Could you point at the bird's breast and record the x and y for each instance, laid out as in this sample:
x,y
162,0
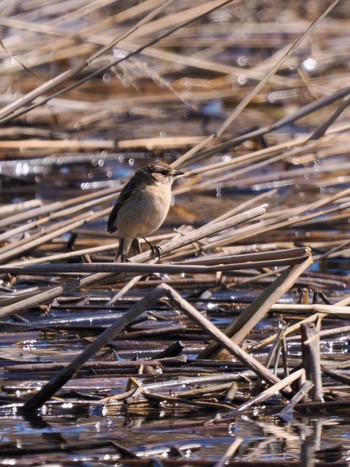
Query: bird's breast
x,y
145,211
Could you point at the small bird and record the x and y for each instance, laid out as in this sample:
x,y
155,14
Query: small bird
x,y
142,206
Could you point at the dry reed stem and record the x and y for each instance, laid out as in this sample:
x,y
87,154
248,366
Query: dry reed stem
x,y
70,254
202,232
61,208
286,414
13,250
299,308
93,42
311,359
50,388
308,109
15,109
171,383
73,145
29,226
270,392
12,209
66,75
271,224
253,364
36,298
256,311
230,453
253,260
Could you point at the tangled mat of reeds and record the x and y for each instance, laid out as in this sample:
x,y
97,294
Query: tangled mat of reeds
x,y
245,315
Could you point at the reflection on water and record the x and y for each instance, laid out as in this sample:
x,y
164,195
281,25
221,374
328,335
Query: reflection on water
x,y
264,438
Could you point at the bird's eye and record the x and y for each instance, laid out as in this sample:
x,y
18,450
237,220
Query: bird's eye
x,y
164,172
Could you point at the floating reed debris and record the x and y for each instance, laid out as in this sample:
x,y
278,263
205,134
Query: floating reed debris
x,y
245,313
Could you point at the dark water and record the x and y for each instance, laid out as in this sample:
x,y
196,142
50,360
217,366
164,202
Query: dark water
x,y
265,438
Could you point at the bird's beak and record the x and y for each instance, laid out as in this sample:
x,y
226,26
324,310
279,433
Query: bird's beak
x,y
177,173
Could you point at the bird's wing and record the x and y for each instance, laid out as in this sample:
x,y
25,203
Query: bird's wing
x,y
112,219
127,191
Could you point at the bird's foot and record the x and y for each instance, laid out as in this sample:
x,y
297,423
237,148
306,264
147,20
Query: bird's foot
x,y
124,259
156,250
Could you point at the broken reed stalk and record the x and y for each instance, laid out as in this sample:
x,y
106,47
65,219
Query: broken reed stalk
x,y
272,356
12,209
230,453
218,263
306,110
286,414
50,388
340,307
225,379
253,314
21,106
292,254
64,256
161,398
63,77
49,144
31,213
311,359
13,250
163,290
9,233
270,392
128,286
56,210
274,69
336,375
36,298
253,364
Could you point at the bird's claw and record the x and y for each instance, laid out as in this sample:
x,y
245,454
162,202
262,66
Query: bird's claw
x,y
124,259
156,250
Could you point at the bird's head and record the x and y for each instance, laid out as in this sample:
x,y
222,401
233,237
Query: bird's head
x,y
161,172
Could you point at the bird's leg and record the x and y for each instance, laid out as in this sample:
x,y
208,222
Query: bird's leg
x,y
121,256
135,245
156,250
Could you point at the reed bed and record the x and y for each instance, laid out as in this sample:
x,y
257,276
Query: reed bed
x,y
244,317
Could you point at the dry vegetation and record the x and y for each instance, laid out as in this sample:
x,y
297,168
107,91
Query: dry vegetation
x,y
246,312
